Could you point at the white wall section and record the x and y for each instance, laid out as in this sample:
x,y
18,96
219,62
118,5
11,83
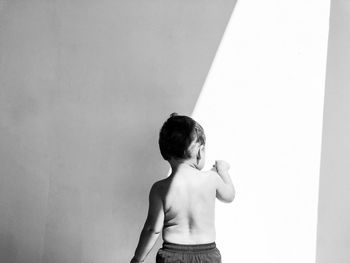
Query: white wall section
x,y
261,108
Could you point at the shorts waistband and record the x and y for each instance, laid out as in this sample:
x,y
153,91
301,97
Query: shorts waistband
x,y
189,247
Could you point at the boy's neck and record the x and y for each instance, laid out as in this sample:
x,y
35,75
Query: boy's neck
x,y
176,165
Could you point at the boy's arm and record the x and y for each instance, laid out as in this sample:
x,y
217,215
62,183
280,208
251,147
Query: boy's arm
x,y
225,191
153,225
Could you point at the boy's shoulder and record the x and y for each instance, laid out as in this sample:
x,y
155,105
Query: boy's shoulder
x,y
213,176
159,188
210,173
159,185
163,183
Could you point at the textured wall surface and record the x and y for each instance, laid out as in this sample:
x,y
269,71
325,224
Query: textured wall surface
x,y
334,201
84,89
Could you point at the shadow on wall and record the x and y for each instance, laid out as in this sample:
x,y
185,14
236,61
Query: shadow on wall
x,y
85,88
333,229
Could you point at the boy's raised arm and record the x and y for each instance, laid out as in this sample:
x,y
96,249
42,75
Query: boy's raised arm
x,y
225,190
153,225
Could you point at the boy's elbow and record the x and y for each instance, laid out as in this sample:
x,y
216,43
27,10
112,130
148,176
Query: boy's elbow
x,y
226,199
230,198
232,195
152,230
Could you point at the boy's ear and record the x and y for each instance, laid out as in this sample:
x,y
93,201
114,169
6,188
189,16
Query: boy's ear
x,y
199,154
200,151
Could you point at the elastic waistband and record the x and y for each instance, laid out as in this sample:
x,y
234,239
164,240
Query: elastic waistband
x,y
189,248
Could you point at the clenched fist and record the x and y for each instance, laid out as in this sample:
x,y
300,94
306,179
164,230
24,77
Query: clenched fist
x,y
221,166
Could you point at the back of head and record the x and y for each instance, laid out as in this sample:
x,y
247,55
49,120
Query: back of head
x,y
176,136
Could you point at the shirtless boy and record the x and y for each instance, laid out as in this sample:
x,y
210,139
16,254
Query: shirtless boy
x,y
182,206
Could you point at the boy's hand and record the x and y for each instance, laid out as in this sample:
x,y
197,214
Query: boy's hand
x,y
221,166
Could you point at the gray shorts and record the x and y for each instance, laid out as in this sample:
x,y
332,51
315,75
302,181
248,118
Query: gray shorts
x,y
180,253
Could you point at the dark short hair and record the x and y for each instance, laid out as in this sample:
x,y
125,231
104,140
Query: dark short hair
x,y
177,134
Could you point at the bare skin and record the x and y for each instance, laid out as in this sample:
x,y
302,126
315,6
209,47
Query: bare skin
x,y
189,205
182,206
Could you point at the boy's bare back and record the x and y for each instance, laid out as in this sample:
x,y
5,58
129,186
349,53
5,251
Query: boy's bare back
x,y
189,207
188,198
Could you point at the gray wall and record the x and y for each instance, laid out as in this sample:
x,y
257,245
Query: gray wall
x,y
84,89
333,240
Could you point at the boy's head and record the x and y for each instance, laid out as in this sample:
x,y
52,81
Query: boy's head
x,y
179,137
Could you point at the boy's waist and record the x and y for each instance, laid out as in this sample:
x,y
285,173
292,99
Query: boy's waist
x,y
189,247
